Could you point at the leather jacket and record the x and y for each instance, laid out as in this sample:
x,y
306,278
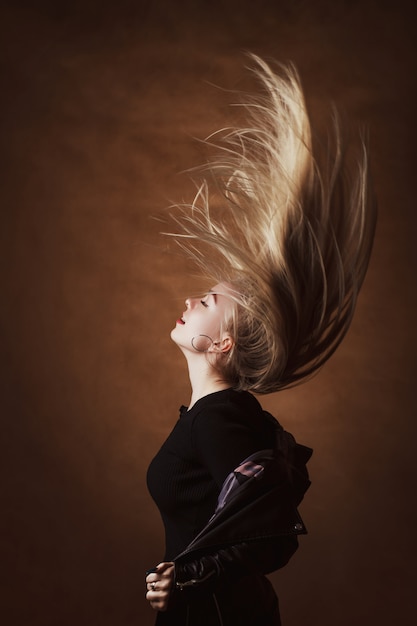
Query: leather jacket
x,y
256,522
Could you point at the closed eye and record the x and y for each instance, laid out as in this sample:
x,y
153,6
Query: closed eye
x,y
204,303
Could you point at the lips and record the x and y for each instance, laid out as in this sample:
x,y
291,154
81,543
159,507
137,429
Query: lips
x,y
180,321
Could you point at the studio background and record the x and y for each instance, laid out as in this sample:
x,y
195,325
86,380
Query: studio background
x,y
101,102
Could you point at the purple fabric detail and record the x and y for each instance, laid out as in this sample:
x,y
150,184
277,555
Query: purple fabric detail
x,y
242,473
250,469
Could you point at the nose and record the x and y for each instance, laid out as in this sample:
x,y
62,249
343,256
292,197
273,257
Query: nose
x,y
190,302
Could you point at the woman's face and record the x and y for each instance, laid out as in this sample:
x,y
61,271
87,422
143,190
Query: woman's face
x,y
199,329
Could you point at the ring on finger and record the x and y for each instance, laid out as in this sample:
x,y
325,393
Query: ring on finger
x,y
153,586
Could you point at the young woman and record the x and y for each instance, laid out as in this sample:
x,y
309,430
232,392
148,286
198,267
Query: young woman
x,y
284,229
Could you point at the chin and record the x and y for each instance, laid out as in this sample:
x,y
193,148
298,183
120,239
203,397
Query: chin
x,y
173,335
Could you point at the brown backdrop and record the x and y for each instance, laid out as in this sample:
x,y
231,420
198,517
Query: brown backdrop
x,y
100,101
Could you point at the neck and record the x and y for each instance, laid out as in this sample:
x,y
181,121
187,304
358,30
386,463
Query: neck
x,y
204,379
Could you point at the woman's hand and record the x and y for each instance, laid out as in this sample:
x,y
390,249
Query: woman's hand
x,y
159,584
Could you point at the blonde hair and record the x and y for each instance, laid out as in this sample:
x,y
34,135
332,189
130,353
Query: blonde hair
x,y
290,227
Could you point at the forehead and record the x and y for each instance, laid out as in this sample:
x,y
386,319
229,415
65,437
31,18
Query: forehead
x,y
224,295
222,289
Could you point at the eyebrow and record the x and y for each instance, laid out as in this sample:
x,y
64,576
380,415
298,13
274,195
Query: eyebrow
x,y
211,293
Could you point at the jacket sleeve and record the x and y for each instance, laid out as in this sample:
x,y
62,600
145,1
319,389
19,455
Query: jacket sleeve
x,y
233,562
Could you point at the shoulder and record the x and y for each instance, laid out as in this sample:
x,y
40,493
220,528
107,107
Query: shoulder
x,y
230,415
226,428
229,404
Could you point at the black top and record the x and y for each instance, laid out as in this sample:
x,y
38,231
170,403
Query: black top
x,y
207,443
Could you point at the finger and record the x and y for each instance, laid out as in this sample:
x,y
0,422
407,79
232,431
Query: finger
x,y
164,582
159,604
162,567
157,599
158,591
152,578
161,585
167,574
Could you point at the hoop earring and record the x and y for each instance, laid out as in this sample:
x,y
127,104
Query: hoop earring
x,y
197,349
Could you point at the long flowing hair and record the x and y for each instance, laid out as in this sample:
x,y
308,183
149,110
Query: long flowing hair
x,y
289,224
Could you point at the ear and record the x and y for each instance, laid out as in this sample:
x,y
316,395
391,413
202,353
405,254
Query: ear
x,y
223,346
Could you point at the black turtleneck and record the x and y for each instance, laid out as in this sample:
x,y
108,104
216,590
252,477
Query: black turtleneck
x,y
207,443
